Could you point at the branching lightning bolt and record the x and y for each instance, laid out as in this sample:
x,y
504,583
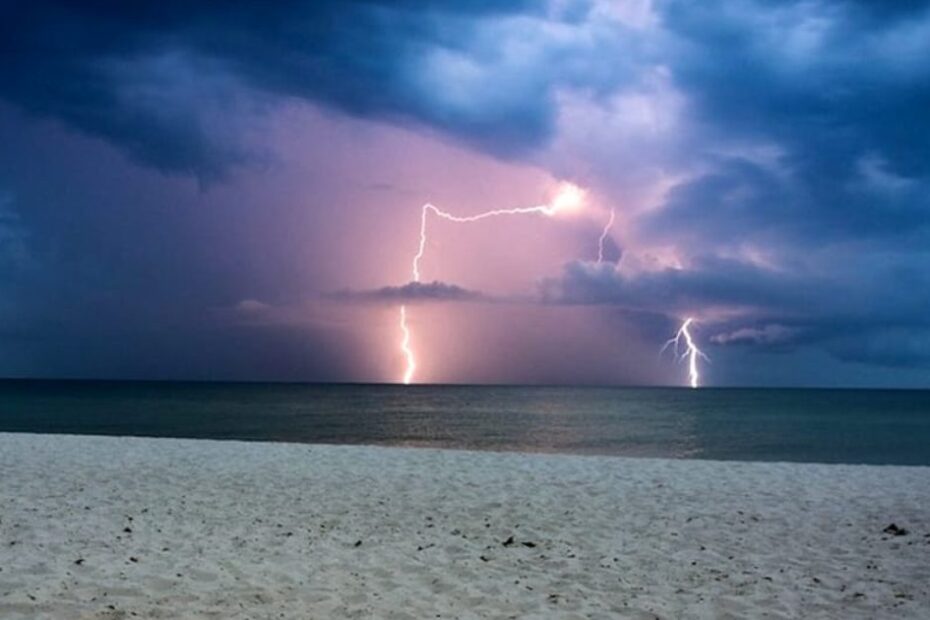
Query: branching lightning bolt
x,y
692,352
568,198
603,237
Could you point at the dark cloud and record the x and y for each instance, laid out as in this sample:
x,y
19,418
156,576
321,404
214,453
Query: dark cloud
x,y
15,258
162,79
892,347
828,81
741,202
412,292
711,282
865,310
767,334
792,137
834,97
807,146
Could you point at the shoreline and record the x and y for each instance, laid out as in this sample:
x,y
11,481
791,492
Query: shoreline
x,y
239,529
530,451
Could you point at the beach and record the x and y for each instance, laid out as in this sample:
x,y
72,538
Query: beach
x,y
121,527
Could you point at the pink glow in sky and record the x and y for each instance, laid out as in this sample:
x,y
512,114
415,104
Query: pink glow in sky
x,y
366,230
175,208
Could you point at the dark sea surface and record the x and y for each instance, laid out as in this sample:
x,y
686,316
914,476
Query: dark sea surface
x,y
828,426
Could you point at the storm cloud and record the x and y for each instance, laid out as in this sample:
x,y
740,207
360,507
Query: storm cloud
x,y
862,310
169,81
412,292
768,163
799,215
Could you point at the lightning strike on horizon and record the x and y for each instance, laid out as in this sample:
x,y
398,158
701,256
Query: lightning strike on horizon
x,y
405,347
691,351
570,197
603,237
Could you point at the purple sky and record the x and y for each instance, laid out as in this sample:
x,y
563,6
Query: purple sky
x,y
229,191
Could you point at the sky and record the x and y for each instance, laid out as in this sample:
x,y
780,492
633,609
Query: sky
x,y
232,190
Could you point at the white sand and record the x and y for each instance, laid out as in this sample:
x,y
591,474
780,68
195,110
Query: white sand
x,y
240,530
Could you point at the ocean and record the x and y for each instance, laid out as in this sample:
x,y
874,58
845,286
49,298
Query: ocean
x,y
801,425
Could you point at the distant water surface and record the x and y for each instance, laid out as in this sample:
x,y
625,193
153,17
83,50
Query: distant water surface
x,y
830,426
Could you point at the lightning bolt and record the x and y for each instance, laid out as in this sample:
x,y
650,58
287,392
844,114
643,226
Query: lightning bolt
x,y
405,347
568,198
603,237
692,352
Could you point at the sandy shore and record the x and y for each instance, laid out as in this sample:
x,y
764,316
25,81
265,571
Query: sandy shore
x,y
94,527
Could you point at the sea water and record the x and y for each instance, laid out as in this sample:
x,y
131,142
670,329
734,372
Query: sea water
x,y
830,426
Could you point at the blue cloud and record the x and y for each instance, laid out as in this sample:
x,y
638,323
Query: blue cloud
x,y
863,310
412,292
123,70
801,134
